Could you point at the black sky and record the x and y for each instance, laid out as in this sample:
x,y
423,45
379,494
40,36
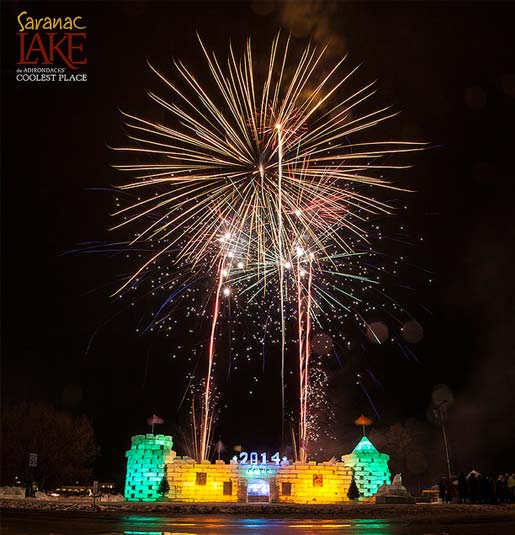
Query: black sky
x,y
448,67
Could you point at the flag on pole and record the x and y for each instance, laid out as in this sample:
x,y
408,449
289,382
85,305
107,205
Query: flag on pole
x,y
364,422
154,419
219,447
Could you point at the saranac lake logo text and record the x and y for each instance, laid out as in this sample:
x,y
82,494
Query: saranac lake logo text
x,y
51,41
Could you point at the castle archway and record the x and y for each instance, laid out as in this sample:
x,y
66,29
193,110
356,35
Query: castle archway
x,y
258,490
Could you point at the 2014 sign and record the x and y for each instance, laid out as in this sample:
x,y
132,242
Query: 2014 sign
x,y
258,458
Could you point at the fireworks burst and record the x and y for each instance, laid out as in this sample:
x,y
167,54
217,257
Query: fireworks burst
x,y
255,188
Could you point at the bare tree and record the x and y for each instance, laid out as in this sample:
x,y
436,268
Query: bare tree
x,y
65,444
410,446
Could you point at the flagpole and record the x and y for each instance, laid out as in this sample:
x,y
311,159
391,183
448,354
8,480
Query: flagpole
x,y
153,420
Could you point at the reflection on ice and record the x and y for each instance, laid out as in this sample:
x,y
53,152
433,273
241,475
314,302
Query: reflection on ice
x,y
253,526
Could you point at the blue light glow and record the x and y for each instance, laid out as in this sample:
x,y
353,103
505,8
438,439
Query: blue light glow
x,y
258,487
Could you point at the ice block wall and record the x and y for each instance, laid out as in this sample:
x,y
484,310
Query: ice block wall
x,y
146,462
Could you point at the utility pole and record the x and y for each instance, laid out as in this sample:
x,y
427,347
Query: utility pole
x,y
442,423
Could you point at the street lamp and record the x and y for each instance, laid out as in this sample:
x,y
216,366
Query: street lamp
x,y
439,414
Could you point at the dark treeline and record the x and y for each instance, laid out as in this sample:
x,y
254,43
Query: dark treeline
x,y
65,445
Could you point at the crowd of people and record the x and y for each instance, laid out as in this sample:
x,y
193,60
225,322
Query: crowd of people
x,y
478,488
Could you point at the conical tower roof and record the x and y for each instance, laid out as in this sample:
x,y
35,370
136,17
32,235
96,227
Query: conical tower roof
x,y
365,446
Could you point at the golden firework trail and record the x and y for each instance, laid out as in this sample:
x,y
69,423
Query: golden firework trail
x,y
252,180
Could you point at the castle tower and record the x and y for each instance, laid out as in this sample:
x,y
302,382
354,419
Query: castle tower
x,y
146,462
370,467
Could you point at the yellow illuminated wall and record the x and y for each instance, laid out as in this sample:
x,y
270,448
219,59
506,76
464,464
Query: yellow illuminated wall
x,y
289,483
314,483
202,482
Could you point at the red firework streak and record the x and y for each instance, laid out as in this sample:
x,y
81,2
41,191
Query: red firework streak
x,y
304,324
205,430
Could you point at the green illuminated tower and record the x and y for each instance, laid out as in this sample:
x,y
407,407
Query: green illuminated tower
x,y
370,467
146,466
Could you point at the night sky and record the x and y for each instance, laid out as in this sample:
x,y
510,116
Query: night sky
x,y
448,68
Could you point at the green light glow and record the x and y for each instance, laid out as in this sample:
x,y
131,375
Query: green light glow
x,y
365,445
370,467
146,466
253,471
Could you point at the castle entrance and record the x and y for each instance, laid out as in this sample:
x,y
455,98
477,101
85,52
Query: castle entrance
x,y
258,490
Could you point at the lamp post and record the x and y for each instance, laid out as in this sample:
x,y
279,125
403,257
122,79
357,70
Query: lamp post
x,y
439,410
